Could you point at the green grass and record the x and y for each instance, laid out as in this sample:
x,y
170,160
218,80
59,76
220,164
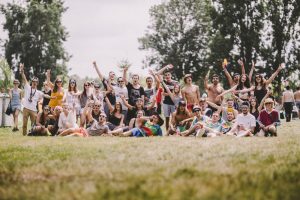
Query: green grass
x,y
151,168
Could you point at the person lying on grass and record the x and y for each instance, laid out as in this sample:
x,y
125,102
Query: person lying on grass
x,y
147,126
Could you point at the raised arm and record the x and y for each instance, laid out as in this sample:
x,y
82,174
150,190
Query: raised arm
x,y
227,91
167,67
263,100
157,81
130,107
228,76
251,71
23,74
111,108
125,75
275,74
48,74
166,88
219,108
98,71
206,86
241,63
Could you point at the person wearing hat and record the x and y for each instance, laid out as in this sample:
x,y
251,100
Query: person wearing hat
x,y
197,123
179,119
190,92
268,119
15,95
31,98
147,126
245,123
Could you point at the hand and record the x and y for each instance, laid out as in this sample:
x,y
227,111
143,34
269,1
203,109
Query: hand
x,y
151,72
181,123
48,72
253,63
94,64
240,61
160,78
170,66
125,68
21,67
281,66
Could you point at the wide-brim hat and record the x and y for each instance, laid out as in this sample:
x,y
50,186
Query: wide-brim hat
x,y
268,100
187,76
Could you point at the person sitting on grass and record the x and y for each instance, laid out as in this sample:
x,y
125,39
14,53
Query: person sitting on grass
x,y
53,122
245,123
115,118
225,109
67,119
134,121
95,107
213,126
177,124
227,125
42,121
197,122
147,126
268,119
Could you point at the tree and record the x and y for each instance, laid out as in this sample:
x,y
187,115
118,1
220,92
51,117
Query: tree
x,y
178,34
36,36
5,74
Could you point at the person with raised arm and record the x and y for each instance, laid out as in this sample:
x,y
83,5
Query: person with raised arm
x,y
236,76
57,93
15,95
190,92
150,90
135,92
260,86
214,89
297,99
168,104
31,98
107,83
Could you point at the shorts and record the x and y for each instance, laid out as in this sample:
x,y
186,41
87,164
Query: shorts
x,y
298,104
168,109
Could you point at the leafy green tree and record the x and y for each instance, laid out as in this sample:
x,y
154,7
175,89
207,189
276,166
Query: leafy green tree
x,y
178,34
5,74
36,36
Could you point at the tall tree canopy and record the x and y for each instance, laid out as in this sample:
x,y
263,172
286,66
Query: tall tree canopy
x,y
178,34
36,36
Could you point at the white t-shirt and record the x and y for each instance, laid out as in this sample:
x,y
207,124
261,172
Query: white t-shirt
x,y
248,121
36,95
68,121
121,92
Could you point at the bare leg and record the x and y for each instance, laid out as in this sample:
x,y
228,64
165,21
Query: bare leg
x,y
126,134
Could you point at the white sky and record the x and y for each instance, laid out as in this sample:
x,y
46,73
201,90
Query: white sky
x,y
105,31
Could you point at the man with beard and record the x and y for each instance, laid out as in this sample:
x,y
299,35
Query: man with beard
x,y
190,92
245,123
178,119
213,90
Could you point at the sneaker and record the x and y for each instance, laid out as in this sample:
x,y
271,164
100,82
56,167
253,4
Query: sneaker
x,y
14,129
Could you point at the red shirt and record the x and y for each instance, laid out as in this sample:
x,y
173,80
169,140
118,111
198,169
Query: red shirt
x,y
159,95
268,118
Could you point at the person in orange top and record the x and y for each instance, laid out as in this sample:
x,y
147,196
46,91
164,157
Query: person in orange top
x,y
57,91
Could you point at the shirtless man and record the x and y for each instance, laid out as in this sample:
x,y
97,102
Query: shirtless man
x,y
190,92
179,118
213,90
297,100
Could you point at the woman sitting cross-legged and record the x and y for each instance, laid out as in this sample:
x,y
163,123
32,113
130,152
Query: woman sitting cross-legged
x,y
67,119
53,122
146,126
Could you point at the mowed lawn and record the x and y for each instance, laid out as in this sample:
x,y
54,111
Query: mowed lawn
x,y
151,168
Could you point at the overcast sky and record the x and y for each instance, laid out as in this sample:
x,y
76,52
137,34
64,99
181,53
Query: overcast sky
x,y
105,31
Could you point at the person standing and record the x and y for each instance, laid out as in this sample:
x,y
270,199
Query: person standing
x,y
214,90
190,92
297,100
288,101
31,97
15,96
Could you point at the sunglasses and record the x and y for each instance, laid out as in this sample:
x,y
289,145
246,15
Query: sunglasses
x,y
72,82
97,87
46,109
120,81
58,81
88,85
101,116
196,111
96,106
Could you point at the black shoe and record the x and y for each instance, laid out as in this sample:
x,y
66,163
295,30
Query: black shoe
x,y
14,129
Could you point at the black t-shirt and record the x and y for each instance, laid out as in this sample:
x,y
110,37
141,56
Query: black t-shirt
x,y
134,94
111,97
170,85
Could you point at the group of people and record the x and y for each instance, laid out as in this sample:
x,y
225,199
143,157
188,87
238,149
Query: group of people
x,y
122,107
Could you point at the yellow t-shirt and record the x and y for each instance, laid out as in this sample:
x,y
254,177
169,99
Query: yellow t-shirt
x,y
58,100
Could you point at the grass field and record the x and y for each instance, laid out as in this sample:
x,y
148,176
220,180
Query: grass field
x,y
151,168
